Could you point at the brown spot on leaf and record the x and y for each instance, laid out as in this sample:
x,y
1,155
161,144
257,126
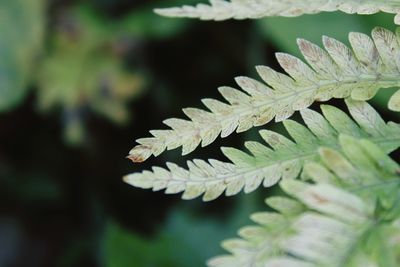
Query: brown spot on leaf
x,y
305,47
319,199
136,158
274,139
140,153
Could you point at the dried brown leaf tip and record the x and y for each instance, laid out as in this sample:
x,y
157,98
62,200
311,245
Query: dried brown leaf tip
x,y
319,199
139,153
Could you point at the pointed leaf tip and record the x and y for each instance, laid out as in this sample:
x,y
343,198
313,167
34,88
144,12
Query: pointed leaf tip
x,y
125,179
394,102
139,153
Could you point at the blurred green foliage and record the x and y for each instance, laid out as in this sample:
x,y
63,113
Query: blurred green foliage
x,y
145,24
84,69
21,27
185,240
82,65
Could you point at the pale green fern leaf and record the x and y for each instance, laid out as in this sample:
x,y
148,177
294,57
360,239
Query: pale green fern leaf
x,y
253,9
266,166
336,72
338,222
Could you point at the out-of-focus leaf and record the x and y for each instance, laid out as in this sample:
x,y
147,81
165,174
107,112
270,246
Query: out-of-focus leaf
x,y
21,27
177,245
184,241
84,70
31,188
146,24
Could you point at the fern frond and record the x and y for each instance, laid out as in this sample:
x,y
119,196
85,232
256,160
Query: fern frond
x,y
266,165
334,222
337,72
253,9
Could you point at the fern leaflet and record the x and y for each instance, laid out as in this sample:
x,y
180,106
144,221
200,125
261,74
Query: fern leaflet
x,y
338,72
266,165
253,9
344,218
